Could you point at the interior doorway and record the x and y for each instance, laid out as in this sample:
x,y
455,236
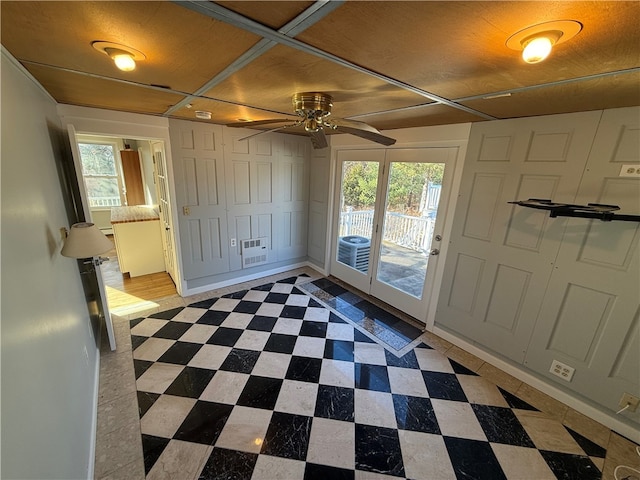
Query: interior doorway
x,y
126,172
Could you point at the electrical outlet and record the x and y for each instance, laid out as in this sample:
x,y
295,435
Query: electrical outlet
x,y
233,242
561,370
630,171
631,400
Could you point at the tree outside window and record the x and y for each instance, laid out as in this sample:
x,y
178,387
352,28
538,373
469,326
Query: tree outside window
x,y
100,174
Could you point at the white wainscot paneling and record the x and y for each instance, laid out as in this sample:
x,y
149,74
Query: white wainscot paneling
x,y
466,282
582,316
526,229
483,202
507,296
549,146
495,148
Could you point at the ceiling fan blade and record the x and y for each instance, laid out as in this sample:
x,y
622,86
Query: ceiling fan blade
x,y
318,139
267,131
260,122
363,130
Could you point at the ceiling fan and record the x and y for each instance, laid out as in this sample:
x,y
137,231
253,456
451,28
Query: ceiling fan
x,y
314,110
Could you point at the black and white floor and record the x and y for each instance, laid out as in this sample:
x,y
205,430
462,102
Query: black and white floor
x,y
275,382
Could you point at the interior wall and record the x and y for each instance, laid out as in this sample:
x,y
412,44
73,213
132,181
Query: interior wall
x,y
49,354
532,289
229,190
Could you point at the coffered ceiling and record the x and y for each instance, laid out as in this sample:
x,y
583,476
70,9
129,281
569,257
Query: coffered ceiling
x,y
391,64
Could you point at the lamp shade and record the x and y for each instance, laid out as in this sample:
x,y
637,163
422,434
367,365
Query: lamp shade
x,y
85,240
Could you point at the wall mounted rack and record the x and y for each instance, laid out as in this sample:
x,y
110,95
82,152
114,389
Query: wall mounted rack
x,y
590,210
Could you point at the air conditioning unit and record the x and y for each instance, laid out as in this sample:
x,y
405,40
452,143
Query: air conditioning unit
x,y
254,252
353,250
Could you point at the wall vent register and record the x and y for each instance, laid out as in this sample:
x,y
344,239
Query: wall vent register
x,y
254,252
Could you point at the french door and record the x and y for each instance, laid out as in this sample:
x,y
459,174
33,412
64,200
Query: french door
x,y
389,214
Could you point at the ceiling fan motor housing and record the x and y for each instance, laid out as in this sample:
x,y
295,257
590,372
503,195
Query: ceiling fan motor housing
x,y
314,107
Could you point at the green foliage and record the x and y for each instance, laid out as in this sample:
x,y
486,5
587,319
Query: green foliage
x,y
406,183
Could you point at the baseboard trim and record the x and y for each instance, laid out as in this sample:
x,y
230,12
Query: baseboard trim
x,y
559,395
245,278
96,398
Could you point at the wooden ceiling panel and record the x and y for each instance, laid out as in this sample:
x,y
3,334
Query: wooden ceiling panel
x,y
434,114
76,89
184,49
270,81
273,14
223,113
457,49
596,94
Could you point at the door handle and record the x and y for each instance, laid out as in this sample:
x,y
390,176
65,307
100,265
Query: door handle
x,y
438,238
167,228
435,251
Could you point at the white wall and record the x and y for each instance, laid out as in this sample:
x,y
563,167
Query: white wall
x,y
529,289
49,355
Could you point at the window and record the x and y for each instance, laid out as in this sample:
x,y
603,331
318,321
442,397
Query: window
x,y
100,172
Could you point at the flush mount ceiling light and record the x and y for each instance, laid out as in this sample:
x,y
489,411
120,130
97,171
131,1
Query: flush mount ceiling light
x,y
124,57
536,41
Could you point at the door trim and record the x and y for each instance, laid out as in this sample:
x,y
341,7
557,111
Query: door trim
x,y
456,178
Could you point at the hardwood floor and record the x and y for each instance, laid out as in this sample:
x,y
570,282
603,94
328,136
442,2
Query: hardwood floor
x,y
123,291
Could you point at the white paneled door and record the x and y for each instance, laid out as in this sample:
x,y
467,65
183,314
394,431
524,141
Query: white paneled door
x,y
388,223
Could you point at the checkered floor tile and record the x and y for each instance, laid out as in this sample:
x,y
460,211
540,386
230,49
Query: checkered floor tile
x,y
268,384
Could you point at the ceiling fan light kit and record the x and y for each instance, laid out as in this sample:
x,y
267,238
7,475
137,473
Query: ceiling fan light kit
x,y
537,41
314,110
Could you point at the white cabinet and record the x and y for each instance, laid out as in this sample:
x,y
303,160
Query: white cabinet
x,y
138,241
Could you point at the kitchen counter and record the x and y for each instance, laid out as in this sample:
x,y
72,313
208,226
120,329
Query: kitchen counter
x,y
138,238
138,213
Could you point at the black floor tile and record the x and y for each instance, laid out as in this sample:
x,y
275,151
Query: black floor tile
x,y
240,361
275,297
224,336
152,448
191,382
204,423
206,304
213,317
135,321
372,377
260,392
408,360
145,400
167,314
313,329
444,386
136,341
335,403
325,472
304,369
247,307
172,330
590,448
140,366
415,413
293,311
500,425
262,323
339,350
239,295
180,353
280,343
515,402
473,459
378,450
571,467
358,336
461,369
226,464
333,318
287,436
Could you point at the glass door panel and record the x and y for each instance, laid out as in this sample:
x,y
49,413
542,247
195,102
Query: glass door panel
x,y
357,213
412,197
